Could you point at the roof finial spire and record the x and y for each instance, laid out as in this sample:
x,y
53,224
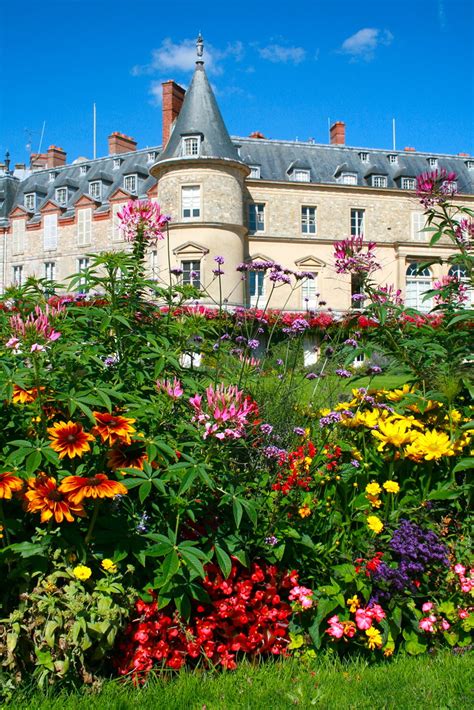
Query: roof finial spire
x,y
199,49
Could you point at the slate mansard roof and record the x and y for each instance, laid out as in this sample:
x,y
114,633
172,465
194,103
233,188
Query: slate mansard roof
x,y
275,159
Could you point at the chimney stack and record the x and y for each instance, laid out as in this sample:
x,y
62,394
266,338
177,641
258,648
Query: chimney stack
x,y
120,143
38,161
56,157
173,97
337,133
409,149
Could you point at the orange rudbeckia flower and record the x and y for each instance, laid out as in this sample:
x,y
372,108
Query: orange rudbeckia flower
x,y
21,396
113,428
69,439
44,497
132,456
8,484
99,486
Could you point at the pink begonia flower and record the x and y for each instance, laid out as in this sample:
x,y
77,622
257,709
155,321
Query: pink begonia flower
x,y
466,587
363,619
303,596
463,613
173,389
333,619
336,629
445,625
426,624
427,606
376,612
459,569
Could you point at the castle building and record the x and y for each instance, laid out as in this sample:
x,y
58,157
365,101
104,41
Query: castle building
x,y
241,198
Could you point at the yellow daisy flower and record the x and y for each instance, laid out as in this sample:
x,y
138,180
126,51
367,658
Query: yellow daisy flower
x,y
391,487
375,524
82,572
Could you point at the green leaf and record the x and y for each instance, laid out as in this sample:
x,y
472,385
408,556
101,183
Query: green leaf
x,y
223,561
170,566
193,562
237,511
144,490
33,462
464,465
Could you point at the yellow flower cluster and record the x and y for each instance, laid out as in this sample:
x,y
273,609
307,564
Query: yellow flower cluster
x,y
374,638
375,524
82,572
373,491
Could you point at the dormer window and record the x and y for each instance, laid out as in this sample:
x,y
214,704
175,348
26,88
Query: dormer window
x,y
30,202
433,162
348,179
255,171
117,163
299,175
379,181
52,176
95,189
470,164
60,196
83,169
191,146
393,159
364,157
151,156
130,183
408,183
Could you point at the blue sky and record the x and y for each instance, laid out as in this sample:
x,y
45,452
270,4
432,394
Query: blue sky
x,y
282,69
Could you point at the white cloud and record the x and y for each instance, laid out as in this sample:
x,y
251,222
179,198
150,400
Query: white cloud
x,y
280,53
362,44
181,57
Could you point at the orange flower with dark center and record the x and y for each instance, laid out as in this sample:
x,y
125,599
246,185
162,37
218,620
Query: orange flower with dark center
x,y
69,439
113,428
8,484
132,456
21,396
44,497
99,486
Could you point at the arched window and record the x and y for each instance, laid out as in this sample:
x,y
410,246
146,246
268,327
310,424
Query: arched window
x,y
417,283
460,272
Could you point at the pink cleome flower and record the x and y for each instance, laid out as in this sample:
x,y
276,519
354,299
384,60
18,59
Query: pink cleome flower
x,y
142,215
353,256
226,412
36,328
435,187
173,389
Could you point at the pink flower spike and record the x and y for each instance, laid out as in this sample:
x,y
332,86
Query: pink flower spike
x,y
12,343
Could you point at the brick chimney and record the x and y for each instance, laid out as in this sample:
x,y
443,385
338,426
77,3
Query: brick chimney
x,y
256,134
337,133
56,157
464,155
173,97
38,161
409,149
120,143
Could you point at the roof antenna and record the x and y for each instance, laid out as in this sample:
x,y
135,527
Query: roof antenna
x,y
199,49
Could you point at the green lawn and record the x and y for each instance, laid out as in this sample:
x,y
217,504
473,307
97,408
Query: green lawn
x,y
441,682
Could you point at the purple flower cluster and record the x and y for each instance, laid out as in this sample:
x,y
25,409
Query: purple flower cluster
x,y
343,373
416,552
266,428
331,418
298,326
273,452
351,342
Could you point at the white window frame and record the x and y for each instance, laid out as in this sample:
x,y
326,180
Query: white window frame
x,y
29,200
190,202
92,188
59,194
50,232
357,222
117,162
256,214
418,223
308,220
309,288
84,226
49,270
191,146
154,265
254,172
18,236
348,179
256,288
83,169
408,183
364,157
470,164
83,263
379,181
17,274
194,267
52,176
433,162
300,175
416,287
151,156
131,178
393,158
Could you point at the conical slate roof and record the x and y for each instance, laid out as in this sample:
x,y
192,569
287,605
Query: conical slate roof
x,y
200,115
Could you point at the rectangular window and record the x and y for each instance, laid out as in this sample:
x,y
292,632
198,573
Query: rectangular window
x,y
408,183
300,175
18,236
348,179
364,157
256,288
83,169
470,164
191,145
357,289
84,226
82,265
393,159
18,275
255,171
433,162
418,223
116,163
308,220
30,202
51,177
95,189
50,270
308,294
130,183
191,273
151,156
191,201
50,232
256,218
357,223
61,196
379,181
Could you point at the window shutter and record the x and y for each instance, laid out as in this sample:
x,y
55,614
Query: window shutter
x,y
50,232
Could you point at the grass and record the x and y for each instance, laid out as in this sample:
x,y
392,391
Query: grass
x,y
440,682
